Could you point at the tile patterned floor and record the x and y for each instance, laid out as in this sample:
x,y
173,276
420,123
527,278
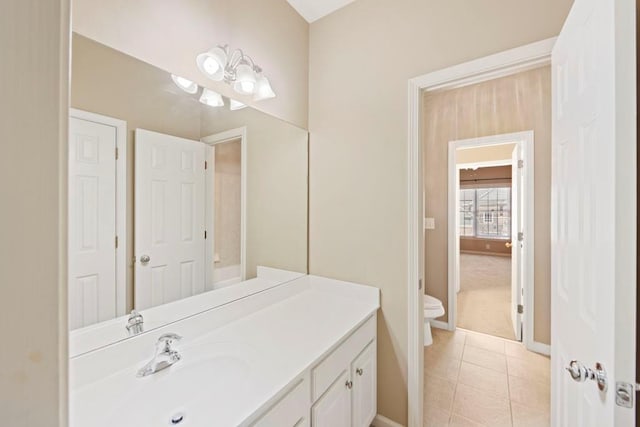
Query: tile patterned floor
x,y
472,379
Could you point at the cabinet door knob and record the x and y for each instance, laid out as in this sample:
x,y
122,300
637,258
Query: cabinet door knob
x,y
349,384
359,371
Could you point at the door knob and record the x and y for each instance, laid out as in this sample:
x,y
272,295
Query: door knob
x,y
349,384
508,244
144,259
581,373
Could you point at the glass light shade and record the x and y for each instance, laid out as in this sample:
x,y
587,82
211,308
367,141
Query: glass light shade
x,y
263,89
236,105
184,84
211,98
212,63
245,80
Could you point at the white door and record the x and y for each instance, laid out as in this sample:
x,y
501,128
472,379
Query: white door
x,y
92,222
517,245
334,408
169,218
363,372
593,211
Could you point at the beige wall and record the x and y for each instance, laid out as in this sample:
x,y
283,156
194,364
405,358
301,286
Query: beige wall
x,y
361,58
277,175
227,203
33,130
170,34
511,104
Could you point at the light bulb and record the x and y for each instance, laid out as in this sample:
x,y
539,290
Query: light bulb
x,y
211,98
184,84
210,65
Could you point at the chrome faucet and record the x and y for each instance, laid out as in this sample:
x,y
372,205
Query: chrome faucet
x,y
165,355
135,323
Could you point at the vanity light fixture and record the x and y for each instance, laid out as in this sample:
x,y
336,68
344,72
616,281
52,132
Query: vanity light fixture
x,y
236,69
184,84
236,105
211,98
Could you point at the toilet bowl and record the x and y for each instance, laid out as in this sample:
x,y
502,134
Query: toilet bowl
x,y
432,309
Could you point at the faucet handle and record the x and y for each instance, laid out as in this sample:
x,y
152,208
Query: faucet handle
x,y
166,340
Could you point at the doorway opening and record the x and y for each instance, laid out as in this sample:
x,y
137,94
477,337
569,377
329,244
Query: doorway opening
x,y
490,213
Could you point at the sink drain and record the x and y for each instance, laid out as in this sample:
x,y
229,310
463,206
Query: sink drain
x,y
177,418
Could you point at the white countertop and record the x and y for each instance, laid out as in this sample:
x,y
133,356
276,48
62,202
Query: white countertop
x,y
254,358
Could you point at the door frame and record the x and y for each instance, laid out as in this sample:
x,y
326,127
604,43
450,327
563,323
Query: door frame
x,y
212,140
526,141
487,68
121,199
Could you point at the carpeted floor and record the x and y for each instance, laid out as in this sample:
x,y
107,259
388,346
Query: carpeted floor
x,y
484,299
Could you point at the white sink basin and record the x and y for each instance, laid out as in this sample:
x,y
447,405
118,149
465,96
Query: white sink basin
x,y
193,392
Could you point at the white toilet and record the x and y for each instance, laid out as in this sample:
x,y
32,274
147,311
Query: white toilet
x,y
432,309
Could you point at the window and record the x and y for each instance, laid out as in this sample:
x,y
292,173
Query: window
x,y
485,212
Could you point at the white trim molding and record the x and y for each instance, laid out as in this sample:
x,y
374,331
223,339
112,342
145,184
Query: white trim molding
x,y
121,199
526,141
498,65
382,421
212,140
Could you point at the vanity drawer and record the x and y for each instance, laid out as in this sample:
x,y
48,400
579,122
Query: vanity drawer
x,y
292,410
326,372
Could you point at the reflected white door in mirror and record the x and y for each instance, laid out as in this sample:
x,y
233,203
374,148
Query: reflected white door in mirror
x,y
299,354
96,218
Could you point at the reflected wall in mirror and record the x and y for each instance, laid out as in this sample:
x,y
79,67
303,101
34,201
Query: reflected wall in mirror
x,y
170,197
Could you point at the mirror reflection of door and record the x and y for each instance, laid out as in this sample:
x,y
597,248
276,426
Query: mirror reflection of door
x,y
169,218
96,267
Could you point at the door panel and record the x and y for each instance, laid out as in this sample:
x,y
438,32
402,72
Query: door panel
x,y
363,372
584,200
92,222
169,218
334,408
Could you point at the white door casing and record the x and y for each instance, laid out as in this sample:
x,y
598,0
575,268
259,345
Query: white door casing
x,y
212,141
169,218
486,68
517,246
593,210
522,291
92,222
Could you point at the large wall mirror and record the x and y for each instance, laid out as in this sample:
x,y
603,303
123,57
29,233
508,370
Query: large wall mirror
x,y
174,191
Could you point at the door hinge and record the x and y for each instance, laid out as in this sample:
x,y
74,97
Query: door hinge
x,y
419,283
205,234
117,153
116,242
206,165
520,308
520,164
625,393
520,236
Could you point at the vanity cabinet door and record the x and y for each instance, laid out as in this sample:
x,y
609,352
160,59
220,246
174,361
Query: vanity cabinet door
x,y
334,408
363,372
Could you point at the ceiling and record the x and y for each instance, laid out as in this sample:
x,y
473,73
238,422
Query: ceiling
x,y
312,10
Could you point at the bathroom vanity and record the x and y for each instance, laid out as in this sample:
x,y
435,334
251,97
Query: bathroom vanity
x,y
301,353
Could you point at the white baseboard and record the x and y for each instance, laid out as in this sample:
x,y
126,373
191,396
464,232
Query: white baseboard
x,y
380,421
440,324
541,348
